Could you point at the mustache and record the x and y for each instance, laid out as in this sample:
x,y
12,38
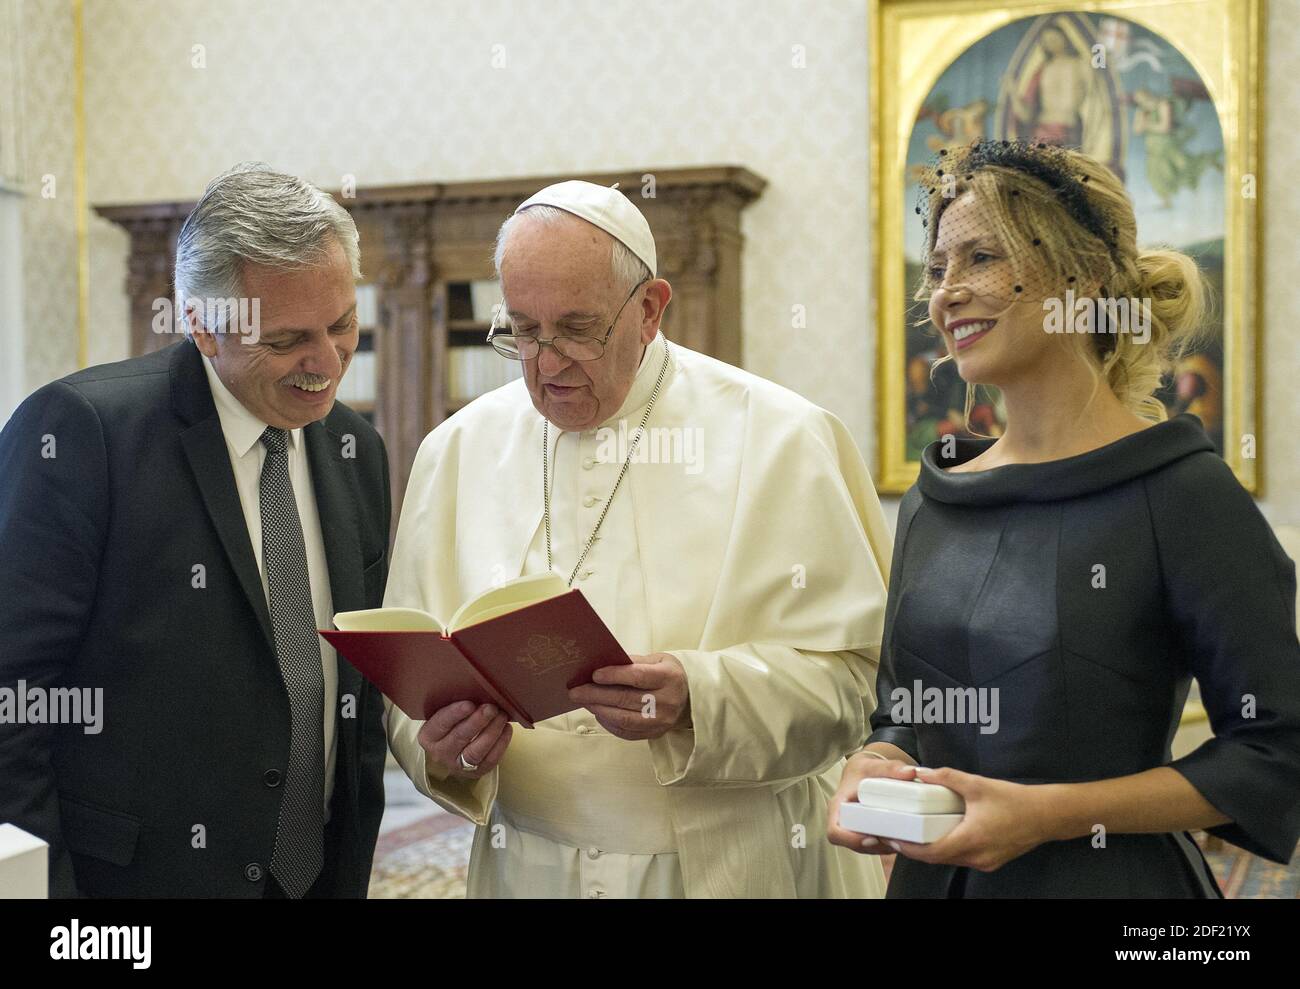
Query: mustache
x,y
306,380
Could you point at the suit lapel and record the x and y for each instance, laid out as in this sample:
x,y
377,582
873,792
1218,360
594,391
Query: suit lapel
x,y
338,504
205,449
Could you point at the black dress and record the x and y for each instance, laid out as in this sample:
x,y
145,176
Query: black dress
x,y
1089,592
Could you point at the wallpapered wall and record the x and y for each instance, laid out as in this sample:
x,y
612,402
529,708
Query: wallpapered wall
x,y
418,90
41,52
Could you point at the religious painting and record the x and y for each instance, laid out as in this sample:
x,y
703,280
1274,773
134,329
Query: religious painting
x,y
1166,95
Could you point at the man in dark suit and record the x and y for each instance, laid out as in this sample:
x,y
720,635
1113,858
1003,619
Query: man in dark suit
x,y
173,529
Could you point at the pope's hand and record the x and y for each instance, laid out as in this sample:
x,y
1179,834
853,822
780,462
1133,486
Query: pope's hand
x,y
640,701
478,731
856,769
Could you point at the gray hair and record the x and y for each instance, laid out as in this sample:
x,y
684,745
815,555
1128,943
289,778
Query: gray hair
x,y
629,270
253,214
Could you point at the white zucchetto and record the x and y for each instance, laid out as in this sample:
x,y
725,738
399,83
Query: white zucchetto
x,y
603,207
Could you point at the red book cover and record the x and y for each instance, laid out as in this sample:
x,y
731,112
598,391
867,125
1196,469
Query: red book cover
x,y
524,661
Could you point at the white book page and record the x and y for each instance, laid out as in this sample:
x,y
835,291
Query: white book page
x,y
387,620
510,596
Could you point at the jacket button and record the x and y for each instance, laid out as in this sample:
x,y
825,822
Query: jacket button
x,y
272,777
253,872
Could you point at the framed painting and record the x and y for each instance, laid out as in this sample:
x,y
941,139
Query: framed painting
x,y
1167,94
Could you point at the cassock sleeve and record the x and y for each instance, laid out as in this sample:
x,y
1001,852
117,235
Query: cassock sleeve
x,y
784,693
1231,590
471,799
764,714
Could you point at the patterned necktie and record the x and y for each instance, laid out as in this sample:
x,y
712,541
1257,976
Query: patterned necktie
x,y
299,834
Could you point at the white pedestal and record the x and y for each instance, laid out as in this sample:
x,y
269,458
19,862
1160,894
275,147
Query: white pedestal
x,y
24,865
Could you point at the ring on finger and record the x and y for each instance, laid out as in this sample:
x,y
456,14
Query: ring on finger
x,y
465,764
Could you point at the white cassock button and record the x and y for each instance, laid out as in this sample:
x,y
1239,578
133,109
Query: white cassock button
x,y
588,463
595,894
585,729
593,853
585,574
588,501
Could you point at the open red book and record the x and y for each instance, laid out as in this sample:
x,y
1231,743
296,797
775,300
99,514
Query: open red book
x,y
520,646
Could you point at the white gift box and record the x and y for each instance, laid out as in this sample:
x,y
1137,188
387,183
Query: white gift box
x,y
907,810
24,865
919,828
911,796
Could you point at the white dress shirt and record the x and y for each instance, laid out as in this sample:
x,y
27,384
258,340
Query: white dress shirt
x,y
243,432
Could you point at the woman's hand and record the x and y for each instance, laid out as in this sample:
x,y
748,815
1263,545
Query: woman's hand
x,y
1002,821
858,768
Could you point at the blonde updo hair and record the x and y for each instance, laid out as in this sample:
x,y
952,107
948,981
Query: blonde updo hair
x,y
1072,222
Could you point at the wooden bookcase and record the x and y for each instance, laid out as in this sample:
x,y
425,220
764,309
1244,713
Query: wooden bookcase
x,y
424,246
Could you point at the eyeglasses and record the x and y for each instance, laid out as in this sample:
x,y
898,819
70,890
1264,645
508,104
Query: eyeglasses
x,y
526,346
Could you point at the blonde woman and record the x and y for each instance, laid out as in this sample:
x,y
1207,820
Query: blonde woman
x,y
1054,591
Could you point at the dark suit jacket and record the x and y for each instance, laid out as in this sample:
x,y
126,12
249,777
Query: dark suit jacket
x,y
177,795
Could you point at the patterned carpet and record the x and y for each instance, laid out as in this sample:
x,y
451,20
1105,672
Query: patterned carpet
x,y
427,859
423,860
1243,876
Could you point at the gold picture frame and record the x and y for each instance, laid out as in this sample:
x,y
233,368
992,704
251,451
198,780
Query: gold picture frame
x,y
914,43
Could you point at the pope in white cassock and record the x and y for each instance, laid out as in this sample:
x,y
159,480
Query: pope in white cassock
x,y
745,577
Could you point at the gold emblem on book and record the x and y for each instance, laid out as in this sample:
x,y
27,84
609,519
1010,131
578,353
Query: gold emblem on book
x,y
544,653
